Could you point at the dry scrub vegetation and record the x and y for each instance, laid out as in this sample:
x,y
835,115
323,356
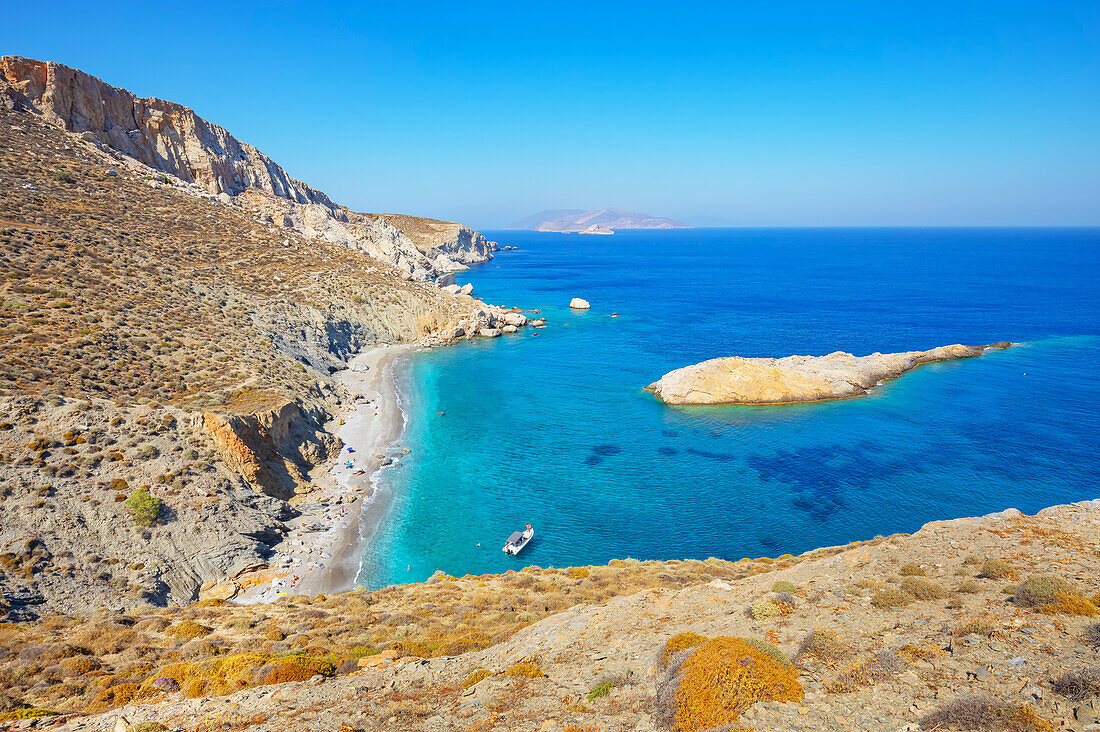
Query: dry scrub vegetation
x,y
96,662
113,288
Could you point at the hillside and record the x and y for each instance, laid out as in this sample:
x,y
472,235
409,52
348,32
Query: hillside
x,y
158,341
579,220
967,624
171,138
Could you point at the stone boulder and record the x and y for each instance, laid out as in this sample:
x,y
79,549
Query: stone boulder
x,y
516,319
510,329
489,332
579,304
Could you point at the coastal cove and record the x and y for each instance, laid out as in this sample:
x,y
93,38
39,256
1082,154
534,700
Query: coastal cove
x,y
554,428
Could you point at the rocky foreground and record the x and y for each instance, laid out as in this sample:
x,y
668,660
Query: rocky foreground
x,y
736,380
973,624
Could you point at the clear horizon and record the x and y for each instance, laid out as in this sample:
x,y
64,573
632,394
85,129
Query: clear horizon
x,y
793,115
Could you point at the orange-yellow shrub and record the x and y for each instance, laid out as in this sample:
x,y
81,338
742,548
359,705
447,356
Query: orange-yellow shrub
x,y
680,642
724,677
1068,603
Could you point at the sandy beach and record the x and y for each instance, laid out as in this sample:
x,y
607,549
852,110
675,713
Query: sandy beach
x,y
322,553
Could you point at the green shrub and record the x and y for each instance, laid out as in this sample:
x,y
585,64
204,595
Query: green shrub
x,y
1041,590
143,507
601,689
892,597
996,569
476,677
923,589
784,586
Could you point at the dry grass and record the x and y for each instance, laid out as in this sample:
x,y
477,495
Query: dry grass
x,y
824,644
980,712
866,672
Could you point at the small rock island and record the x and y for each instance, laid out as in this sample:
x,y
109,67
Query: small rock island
x,y
736,380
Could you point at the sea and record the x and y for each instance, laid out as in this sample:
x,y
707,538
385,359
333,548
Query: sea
x,y
552,427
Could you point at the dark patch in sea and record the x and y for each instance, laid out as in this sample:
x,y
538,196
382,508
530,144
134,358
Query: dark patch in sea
x,y
819,476
723,456
599,452
667,450
670,433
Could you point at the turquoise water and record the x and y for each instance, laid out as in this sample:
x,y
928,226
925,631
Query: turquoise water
x,y
554,428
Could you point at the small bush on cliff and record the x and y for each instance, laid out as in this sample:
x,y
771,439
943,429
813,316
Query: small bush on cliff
x,y
475,677
143,507
866,672
1091,636
187,630
824,644
923,589
996,569
1079,684
680,642
1041,590
784,586
722,678
911,570
981,712
1068,603
525,669
892,597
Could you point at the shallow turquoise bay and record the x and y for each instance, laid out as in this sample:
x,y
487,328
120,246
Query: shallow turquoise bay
x,y
554,429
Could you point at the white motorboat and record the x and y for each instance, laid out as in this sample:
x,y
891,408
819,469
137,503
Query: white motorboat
x,y
518,540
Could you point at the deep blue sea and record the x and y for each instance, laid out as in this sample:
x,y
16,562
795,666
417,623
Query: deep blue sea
x,y
552,427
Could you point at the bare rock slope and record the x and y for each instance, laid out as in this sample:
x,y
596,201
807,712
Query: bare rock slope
x,y
173,139
736,380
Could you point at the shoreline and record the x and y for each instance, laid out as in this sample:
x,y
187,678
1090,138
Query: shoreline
x,y
323,552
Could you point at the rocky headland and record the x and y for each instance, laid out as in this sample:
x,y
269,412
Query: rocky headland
x,y
737,380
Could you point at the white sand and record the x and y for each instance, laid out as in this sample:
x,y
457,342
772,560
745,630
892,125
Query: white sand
x,y
322,553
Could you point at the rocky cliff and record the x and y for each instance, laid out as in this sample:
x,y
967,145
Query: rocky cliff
x,y
736,380
154,337
171,138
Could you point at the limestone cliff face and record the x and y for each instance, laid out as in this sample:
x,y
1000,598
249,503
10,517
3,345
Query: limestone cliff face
x,y
736,380
272,450
173,139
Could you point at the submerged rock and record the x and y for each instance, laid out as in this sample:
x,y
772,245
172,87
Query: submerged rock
x,y
736,380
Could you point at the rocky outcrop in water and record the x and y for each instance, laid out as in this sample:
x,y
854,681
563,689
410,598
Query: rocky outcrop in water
x,y
173,139
736,380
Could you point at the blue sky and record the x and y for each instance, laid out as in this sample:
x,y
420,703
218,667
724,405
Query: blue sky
x,y
736,113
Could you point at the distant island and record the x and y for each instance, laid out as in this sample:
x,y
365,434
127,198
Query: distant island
x,y
598,221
